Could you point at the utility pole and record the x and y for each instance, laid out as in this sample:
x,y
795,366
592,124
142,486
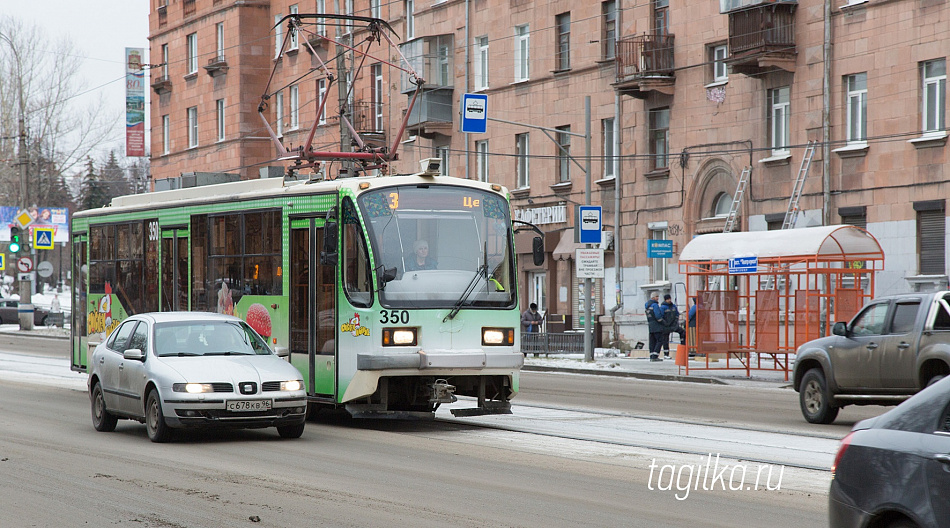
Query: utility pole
x,y
588,283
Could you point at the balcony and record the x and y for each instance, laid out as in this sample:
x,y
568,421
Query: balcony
x,y
189,7
216,66
762,38
432,58
362,115
162,84
645,64
432,114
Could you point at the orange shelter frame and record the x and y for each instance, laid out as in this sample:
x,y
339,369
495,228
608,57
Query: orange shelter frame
x,y
795,285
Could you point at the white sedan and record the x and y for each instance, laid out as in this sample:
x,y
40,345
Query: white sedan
x,y
193,369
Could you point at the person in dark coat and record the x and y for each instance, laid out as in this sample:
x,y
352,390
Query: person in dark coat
x,y
671,323
654,315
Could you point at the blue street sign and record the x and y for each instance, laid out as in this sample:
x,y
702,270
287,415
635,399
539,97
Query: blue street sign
x,y
474,113
43,237
590,229
743,265
659,249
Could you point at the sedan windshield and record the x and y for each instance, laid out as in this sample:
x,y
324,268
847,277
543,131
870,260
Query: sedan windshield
x,y
208,338
446,245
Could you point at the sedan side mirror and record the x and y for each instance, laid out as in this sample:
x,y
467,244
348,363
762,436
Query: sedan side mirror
x,y
134,354
840,329
282,351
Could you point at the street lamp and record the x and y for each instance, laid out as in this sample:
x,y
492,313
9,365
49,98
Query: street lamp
x,y
25,309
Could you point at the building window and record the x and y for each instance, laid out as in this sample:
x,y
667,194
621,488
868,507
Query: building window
x,y
481,159
442,152
660,138
321,94
165,60
522,40
563,153
778,122
931,237
717,59
193,127
279,112
445,71
661,17
857,86
322,8
278,34
219,40
377,95
521,156
166,134
608,36
192,47
481,63
410,20
375,9
723,205
219,105
294,107
609,160
660,265
293,44
562,24
934,98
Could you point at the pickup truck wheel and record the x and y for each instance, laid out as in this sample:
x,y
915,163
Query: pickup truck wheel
x,y
934,379
813,396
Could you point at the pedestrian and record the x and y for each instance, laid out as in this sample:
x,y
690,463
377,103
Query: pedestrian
x,y
654,315
531,323
691,320
671,323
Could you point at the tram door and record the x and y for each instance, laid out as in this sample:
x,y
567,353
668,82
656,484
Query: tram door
x,y
312,309
174,269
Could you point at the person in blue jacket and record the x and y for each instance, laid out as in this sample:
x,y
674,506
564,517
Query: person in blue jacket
x,y
654,315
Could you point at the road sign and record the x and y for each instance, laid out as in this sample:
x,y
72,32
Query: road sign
x,y
23,218
659,249
3,261
474,113
44,269
24,264
743,265
589,263
43,237
589,224
29,277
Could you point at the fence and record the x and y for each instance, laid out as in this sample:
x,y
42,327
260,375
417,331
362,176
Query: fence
x,y
538,343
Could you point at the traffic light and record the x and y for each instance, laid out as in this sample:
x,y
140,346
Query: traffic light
x,y
15,243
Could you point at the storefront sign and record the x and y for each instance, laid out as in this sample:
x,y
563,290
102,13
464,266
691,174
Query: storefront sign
x,y
552,214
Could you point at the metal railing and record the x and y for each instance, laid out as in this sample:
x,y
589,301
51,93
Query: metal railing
x,y
770,28
538,343
644,55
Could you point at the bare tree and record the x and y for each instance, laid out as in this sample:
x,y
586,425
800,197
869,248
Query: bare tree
x,y
61,133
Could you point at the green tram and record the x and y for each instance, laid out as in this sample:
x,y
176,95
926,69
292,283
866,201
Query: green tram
x,y
392,295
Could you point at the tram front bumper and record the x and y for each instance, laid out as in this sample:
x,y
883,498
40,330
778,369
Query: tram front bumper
x,y
440,359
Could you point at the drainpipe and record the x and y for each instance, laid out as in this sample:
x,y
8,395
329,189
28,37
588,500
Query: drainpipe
x,y
618,281
826,121
468,69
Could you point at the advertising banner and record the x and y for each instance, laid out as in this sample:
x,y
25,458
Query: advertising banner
x,y
56,218
134,102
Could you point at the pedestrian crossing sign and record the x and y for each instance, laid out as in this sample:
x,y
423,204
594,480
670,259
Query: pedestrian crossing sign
x,y
43,237
3,261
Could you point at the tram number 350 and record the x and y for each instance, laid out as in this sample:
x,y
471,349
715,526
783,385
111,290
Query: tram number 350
x,y
394,317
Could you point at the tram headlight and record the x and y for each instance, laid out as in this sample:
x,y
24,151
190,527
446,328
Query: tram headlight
x,y
400,337
498,336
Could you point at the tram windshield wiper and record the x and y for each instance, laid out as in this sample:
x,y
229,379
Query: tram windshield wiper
x,y
483,269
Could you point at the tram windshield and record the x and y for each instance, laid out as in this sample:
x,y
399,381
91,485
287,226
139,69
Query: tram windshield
x,y
448,245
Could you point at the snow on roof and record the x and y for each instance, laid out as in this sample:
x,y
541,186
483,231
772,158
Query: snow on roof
x,y
848,242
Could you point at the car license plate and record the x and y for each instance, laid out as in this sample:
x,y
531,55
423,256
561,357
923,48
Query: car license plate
x,y
249,405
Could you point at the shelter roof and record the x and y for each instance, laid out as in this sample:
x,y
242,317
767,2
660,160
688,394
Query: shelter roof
x,y
835,242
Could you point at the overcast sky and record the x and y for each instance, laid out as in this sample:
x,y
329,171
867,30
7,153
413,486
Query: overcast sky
x,y
100,30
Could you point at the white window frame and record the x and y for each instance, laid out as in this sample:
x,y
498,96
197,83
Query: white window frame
x,y
609,30
934,96
857,94
609,135
219,106
720,70
219,40
410,19
375,8
294,40
321,27
481,62
165,60
481,160
321,93
562,50
166,134
779,114
191,45
294,107
522,53
279,112
377,74
192,126
278,34
660,269
523,159
562,153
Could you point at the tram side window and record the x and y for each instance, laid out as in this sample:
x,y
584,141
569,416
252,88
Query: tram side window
x,y
117,259
356,269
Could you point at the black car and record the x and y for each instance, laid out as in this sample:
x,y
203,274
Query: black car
x,y
9,315
894,470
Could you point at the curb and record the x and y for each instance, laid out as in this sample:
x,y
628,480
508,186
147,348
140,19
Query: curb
x,y
627,374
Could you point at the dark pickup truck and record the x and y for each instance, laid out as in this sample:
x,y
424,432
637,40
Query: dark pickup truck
x,y
894,347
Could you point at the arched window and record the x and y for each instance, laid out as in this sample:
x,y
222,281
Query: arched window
x,y
723,205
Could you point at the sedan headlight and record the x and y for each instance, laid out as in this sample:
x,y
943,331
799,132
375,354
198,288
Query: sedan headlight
x,y
192,388
292,385
498,336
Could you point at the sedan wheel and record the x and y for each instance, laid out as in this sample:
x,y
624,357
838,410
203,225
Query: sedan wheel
x,y
158,430
814,399
102,419
291,431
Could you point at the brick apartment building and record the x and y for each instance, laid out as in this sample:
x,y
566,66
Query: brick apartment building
x,y
683,96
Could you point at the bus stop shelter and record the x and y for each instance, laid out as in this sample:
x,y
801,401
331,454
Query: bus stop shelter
x,y
760,294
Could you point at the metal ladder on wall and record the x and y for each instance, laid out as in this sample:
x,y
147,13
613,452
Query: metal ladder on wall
x,y
716,282
791,214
